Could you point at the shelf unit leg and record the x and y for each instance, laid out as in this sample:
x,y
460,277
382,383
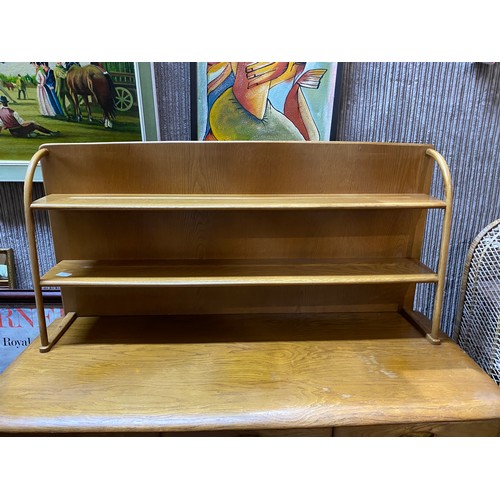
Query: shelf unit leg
x,y
30,229
433,336
40,311
62,328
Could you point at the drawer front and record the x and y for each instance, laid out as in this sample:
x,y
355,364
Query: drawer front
x,y
322,432
483,428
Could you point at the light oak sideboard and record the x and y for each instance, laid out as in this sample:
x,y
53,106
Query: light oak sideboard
x,y
248,288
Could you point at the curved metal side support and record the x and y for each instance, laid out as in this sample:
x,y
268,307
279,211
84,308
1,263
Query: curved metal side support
x,y
30,229
433,336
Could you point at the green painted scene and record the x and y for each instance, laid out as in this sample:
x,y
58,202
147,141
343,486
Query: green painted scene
x,y
66,102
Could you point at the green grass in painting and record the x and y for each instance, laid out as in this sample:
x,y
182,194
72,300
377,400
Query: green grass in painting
x,y
126,127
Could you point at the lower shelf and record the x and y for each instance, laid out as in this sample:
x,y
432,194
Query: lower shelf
x,y
229,372
230,328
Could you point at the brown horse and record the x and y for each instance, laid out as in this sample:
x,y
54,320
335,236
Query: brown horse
x,y
91,80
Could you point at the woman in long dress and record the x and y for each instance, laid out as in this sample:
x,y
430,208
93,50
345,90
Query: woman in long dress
x,y
44,104
50,87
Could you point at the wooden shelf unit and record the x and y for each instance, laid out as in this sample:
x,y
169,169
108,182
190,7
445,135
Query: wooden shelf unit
x,y
237,228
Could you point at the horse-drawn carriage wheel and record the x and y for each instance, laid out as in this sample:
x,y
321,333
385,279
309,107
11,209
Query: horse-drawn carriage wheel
x,y
124,99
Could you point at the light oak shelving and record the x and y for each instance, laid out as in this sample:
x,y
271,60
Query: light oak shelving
x,y
243,288
203,229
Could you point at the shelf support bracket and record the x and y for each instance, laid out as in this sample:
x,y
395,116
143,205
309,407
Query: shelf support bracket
x,y
33,254
61,329
433,335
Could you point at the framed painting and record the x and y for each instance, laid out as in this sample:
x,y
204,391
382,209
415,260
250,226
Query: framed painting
x,y
7,273
264,100
72,102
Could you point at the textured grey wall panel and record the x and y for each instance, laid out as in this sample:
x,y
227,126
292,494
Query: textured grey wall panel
x,y
173,96
13,232
455,107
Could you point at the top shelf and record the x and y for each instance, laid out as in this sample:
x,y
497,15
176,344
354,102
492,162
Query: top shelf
x,y
234,202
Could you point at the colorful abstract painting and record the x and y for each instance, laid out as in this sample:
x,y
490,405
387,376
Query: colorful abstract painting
x,y
265,101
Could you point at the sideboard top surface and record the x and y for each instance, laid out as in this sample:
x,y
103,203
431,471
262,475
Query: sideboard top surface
x,y
241,372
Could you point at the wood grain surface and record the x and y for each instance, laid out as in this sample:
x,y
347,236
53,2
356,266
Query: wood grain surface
x,y
228,372
232,167
234,202
235,272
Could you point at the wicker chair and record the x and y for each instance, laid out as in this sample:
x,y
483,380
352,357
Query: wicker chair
x,y
477,328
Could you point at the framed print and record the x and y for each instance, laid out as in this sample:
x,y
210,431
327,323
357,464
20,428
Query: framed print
x,y
72,102
7,273
264,100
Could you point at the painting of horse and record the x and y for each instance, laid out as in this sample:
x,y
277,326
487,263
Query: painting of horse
x,y
91,81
